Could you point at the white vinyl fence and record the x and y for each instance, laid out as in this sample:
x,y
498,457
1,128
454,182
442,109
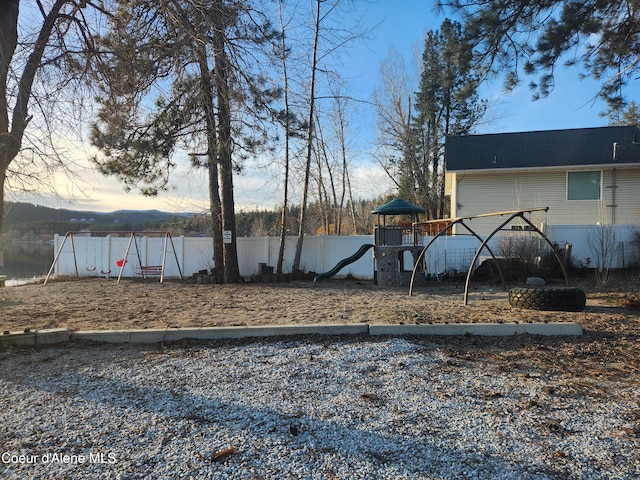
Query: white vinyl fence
x,y
97,255
591,246
617,245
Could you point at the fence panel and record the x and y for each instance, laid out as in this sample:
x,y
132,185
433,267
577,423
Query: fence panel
x,y
95,255
591,244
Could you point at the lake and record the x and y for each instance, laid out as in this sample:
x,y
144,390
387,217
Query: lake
x,y
24,261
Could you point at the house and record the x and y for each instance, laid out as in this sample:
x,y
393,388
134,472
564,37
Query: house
x,y
585,176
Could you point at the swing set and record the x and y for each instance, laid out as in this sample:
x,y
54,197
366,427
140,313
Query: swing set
x,y
132,249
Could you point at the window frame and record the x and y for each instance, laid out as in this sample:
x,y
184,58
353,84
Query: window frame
x,y
600,185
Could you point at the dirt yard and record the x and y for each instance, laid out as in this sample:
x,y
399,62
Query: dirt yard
x,y
609,347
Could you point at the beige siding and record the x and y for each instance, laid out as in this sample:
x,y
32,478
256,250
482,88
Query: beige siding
x,y
494,192
627,196
449,178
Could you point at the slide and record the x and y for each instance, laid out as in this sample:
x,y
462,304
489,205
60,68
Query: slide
x,y
342,263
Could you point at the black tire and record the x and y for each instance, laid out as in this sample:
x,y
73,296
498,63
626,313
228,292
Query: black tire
x,y
568,299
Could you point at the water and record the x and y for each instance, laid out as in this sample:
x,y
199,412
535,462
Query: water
x,y
25,262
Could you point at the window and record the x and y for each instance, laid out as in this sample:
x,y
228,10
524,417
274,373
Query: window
x,y
584,185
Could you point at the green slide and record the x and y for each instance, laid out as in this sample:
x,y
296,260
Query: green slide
x,y
345,261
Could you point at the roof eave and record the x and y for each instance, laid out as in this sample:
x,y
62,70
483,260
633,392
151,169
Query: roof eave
x,y
600,166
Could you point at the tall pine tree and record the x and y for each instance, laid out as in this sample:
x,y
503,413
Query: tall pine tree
x,y
447,103
215,96
510,37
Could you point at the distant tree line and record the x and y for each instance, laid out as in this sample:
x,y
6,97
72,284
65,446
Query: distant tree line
x,y
24,221
258,223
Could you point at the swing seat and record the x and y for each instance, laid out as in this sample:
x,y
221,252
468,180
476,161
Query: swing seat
x,y
150,270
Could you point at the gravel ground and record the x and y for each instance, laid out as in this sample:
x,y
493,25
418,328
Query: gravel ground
x,y
311,407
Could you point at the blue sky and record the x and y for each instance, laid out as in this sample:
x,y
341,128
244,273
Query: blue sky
x,y
401,25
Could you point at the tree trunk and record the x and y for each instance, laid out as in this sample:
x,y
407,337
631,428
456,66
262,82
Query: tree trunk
x,y
330,207
212,164
221,76
287,136
353,207
305,186
215,209
283,214
341,119
2,180
8,43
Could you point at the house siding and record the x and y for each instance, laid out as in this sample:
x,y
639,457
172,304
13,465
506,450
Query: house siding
x,y
479,193
627,195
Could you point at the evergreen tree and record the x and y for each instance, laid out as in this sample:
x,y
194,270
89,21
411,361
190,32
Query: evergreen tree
x,y
623,117
198,47
447,103
535,37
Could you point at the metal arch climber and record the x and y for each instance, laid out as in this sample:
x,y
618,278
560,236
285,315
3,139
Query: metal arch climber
x,y
513,214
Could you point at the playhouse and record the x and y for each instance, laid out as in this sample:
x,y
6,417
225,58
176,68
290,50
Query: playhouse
x,y
397,242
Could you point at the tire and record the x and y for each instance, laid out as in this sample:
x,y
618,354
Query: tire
x,y
568,299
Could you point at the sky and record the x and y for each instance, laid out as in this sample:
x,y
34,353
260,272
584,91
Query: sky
x,y
398,24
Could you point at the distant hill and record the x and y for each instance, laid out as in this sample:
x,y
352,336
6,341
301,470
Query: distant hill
x,y
21,218
28,222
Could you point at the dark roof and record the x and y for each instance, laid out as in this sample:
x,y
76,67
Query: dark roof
x,y
398,207
542,149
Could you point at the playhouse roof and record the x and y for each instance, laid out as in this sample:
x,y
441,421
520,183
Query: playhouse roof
x,y
398,207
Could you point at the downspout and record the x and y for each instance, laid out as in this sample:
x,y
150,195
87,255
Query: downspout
x,y
614,185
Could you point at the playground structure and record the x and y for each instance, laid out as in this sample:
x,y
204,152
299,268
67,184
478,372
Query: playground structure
x,y
396,246
399,248
512,215
120,261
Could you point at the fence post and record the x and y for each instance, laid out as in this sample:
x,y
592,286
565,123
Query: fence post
x,y
56,246
108,262
181,257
